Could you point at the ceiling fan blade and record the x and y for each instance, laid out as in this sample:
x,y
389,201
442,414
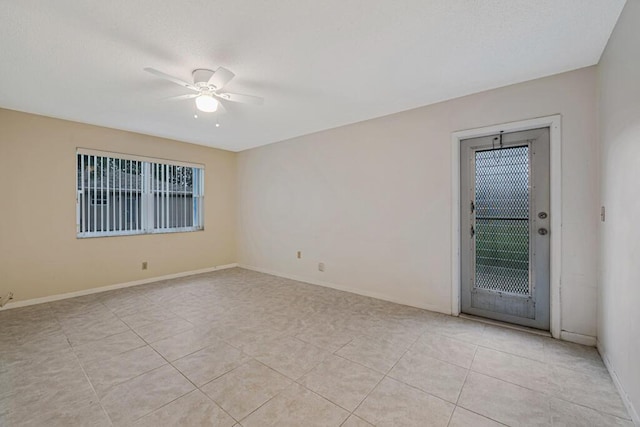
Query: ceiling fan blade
x,y
171,78
221,77
181,97
245,99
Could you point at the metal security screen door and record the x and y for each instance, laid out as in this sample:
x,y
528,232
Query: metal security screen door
x,y
505,227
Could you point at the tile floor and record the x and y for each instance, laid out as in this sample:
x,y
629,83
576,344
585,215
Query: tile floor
x,y
239,348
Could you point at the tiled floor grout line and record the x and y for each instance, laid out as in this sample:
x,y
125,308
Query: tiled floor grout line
x,y
146,372
75,355
385,376
271,398
366,396
475,351
466,376
99,401
484,416
296,381
334,353
544,393
180,372
250,358
547,394
323,311
267,401
495,348
220,376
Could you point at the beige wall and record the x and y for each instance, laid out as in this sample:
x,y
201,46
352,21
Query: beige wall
x,y
619,301
39,252
373,200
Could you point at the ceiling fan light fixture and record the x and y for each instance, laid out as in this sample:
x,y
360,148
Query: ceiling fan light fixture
x,y
206,103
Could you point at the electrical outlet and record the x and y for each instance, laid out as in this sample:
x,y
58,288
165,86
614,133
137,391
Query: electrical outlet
x,y
321,266
299,254
144,265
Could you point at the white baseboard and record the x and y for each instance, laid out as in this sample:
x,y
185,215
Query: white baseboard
x,y
345,289
564,335
67,295
578,338
623,394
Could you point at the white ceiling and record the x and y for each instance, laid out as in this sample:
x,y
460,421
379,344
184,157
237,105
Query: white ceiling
x,y
318,64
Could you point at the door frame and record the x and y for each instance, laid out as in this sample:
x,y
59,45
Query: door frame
x,y
554,124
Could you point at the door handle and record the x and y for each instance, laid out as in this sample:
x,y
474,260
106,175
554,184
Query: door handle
x,y
543,231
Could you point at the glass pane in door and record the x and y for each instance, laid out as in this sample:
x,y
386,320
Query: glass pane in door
x,y
502,220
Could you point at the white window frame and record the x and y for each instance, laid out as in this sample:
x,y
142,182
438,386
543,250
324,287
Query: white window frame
x,y
144,198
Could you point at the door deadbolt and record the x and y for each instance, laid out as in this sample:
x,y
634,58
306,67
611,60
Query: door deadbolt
x,y
542,231
542,215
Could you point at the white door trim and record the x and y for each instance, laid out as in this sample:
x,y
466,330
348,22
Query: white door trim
x,y
555,134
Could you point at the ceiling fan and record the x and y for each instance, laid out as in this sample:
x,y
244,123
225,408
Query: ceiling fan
x,y
208,85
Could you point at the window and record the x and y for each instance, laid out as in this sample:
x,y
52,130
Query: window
x,y
99,198
120,195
